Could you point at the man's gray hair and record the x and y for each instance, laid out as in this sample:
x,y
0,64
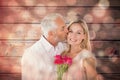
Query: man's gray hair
x,y
48,23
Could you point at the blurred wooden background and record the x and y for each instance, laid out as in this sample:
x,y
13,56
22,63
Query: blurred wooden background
x,y
19,29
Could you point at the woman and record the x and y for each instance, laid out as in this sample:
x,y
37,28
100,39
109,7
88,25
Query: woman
x,y
84,65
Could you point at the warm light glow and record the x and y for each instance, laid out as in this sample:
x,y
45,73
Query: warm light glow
x,y
102,34
16,68
71,16
117,21
106,69
9,19
102,17
35,25
115,59
92,34
99,12
11,3
109,20
81,11
4,33
95,27
30,2
52,6
101,53
104,4
98,44
19,31
71,2
34,33
88,18
25,16
40,10
0,37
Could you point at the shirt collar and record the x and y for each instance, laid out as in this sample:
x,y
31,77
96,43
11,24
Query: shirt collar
x,y
46,44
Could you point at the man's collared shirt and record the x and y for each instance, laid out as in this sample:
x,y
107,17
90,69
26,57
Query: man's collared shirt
x,y
38,60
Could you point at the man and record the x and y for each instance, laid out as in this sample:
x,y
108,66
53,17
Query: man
x,y
38,60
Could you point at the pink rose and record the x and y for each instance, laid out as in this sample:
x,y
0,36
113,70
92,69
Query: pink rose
x,y
62,60
67,60
58,57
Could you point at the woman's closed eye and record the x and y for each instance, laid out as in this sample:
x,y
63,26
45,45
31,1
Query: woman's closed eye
x,y
78,32
75,32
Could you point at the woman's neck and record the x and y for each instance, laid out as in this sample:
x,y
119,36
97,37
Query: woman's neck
x,y
74,51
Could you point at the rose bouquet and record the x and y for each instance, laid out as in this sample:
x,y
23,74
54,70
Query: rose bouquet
x,y
62,65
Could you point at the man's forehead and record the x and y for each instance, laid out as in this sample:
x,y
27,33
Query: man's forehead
x,y
59,21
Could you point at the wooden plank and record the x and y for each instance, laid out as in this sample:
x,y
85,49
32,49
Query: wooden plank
x,y
20,31
10,64
108,65
107,52
104,65
12,50
60,3
106,48
115,2
107,76
104,32
17,47
50,3
32,31
10,76
18,76
14,47
31,15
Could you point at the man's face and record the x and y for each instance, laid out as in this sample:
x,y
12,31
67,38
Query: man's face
x,y
61,30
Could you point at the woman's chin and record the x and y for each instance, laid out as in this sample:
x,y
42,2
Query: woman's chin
x,y
73,44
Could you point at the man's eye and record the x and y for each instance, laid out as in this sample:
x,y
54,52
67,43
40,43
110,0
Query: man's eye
x,y
62,28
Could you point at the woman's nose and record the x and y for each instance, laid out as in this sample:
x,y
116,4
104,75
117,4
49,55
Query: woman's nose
x,y
73,35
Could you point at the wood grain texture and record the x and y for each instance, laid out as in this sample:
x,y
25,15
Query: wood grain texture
x,y
15,14
10,76
20,22
10,65
23,32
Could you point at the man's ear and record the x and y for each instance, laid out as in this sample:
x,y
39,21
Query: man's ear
x,y
50,33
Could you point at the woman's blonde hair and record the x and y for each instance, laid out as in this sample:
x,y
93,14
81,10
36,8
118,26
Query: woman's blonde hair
x,y
85,44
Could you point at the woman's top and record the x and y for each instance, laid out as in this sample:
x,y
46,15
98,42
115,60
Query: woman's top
x,y
77,70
